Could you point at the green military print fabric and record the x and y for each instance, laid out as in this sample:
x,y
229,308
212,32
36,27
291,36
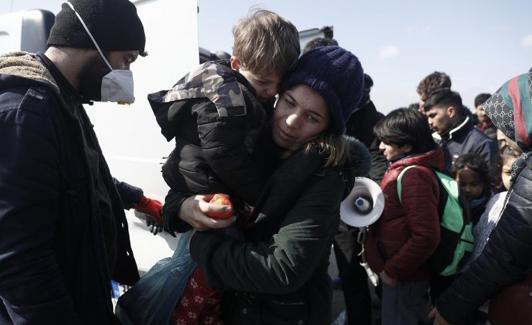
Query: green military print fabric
x,y
212,81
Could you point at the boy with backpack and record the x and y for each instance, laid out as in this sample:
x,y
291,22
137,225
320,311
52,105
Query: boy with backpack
x,y
407,234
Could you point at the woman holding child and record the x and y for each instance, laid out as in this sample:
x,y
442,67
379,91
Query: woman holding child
x,y
278,273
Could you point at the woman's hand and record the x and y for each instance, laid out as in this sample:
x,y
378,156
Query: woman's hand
x,y
387,279
194,212
437,318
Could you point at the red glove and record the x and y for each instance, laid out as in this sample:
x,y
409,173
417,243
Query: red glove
x,y
150,207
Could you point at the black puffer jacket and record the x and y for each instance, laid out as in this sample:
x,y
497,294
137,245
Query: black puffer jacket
x,y
216,121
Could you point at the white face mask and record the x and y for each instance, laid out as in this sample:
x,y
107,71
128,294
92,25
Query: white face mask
x,y
117,85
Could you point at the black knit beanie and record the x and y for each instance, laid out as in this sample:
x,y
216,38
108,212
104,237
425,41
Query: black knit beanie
x,y
337,75
114,24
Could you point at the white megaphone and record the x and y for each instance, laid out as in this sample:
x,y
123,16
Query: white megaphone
x,y
364,204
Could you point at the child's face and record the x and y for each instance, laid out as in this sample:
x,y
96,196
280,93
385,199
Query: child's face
x,y
481,114
391,151
506,171
470,183
266,84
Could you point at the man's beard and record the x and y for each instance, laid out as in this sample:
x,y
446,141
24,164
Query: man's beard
x,y
90,78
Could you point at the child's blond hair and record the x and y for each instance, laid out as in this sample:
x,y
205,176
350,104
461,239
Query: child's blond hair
x,y
266,42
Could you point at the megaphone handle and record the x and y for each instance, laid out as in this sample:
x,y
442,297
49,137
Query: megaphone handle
x,y
361,239
372,276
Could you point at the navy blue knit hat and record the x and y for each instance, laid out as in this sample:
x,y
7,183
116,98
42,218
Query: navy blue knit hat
x,y
337,75
114,24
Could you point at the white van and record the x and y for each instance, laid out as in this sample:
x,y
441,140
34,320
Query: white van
x,y
129,135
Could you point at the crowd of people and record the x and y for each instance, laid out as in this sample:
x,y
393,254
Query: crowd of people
x,y
284,134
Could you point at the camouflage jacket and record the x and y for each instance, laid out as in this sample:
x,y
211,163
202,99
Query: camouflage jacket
x,y
216,121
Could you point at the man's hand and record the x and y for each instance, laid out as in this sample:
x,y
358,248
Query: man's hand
x,y
437,318
387,279
194,212
151,207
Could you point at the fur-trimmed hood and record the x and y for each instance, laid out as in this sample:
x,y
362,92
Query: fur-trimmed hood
x,y
22,66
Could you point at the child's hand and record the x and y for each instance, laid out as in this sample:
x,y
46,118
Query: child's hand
x,y
195,210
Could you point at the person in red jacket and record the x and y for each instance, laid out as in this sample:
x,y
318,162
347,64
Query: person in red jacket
x,y
408,231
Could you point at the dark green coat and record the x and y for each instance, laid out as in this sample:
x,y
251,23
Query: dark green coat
x,y
278,275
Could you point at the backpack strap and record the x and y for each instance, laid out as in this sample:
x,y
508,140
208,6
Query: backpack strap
x,y
399,185
442,200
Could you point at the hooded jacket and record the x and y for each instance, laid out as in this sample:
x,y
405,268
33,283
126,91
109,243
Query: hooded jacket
x,y
216,120
278,275
408,231
507,257
63,232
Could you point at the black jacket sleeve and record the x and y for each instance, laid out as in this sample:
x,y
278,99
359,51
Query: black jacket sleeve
x,y
284,262
170,211
129,194
506,259
32,288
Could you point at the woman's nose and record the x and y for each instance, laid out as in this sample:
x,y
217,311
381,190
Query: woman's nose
x,y
291,121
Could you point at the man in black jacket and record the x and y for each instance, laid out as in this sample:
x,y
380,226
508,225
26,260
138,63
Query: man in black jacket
x,y
63,232
454,130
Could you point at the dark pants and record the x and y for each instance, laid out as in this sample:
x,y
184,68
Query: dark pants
x,y
354,279
406,303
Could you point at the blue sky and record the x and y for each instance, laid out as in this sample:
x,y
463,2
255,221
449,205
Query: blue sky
x,y
480,44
